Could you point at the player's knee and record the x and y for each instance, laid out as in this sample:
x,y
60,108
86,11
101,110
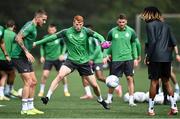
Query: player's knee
x,y
45,76
59,77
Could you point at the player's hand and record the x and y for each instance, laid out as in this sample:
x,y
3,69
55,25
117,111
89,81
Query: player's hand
x,y
91,62
29,57
8,58
34,44
136,63
106,59
146,60
61,58
178,57
139,59
42,59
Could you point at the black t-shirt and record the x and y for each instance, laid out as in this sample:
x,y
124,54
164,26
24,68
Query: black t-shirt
x,y
160,43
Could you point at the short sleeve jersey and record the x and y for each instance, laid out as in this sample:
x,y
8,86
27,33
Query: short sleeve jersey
x,y
29,33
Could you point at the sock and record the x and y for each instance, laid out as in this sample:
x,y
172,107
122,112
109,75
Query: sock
x,y
24,104
1,90
151,104
30,103
7,89
65,88
177,88
173,102
109,97
131,99
49,94
88,91
42,86
100,99
11,87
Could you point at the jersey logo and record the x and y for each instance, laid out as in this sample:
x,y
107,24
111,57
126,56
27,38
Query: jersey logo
x,y
116,35
56,41
127,35
70,36
81,35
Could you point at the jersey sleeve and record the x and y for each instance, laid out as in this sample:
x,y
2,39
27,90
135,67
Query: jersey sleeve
x,y
151,40
42,51
26,30
96,35
134,45
172,40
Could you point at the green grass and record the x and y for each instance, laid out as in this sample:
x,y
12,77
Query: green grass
x,y
72,107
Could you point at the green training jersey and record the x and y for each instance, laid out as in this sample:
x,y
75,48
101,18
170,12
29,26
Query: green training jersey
x,y
76,41
138,47
29,33
122,44
53,49
8,38
95,50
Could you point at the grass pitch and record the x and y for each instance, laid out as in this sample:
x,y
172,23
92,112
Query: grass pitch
x,y
72,107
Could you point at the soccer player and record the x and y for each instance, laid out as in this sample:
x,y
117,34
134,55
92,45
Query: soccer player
x,y
52,54
161,43
96,62
3,55
22,59
122,53
76,38
6,69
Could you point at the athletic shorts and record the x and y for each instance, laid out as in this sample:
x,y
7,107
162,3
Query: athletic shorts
x,y
22,65
158,70
117,68
97,67
83,69
5,65
50,63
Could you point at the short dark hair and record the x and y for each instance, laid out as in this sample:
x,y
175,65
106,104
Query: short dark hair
x,y
122,16
40,12
52,25
10,23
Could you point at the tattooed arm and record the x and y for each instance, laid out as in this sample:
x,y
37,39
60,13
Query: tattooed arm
x,y
19,40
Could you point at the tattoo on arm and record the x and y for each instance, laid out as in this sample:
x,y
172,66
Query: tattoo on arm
x,y
19,40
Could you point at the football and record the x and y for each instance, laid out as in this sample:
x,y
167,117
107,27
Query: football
x,y
112,81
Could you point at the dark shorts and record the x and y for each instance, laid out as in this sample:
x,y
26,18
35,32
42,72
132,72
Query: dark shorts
x,y
49,64
117,68
158,70
97,67
83,69
22,65
5,65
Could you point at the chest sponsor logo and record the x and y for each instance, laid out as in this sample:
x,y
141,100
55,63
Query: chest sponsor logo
x,y
116,35
127,35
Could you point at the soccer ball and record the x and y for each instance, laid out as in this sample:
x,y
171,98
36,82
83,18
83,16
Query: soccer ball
x,y
159,98
139,96
112,81
20,92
